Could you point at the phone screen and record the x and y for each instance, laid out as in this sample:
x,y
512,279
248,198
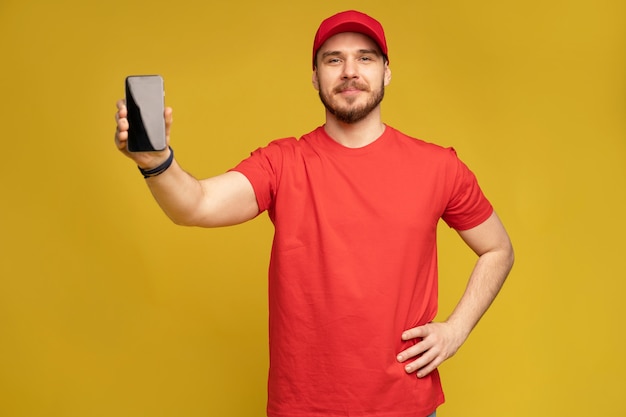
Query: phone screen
x,y
144,101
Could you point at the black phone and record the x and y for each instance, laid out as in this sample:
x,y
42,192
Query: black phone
x,y
145,104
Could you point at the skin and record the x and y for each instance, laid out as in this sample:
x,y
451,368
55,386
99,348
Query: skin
x,y
349,75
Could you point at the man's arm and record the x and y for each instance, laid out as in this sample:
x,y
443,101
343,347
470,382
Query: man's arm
x,y
223,200
440,341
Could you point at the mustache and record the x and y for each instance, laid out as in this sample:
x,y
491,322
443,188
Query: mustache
x,y
350,85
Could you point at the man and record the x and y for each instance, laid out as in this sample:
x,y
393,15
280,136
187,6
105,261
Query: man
x,y
353,270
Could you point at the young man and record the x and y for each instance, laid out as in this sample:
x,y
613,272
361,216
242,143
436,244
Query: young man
x,y
353,270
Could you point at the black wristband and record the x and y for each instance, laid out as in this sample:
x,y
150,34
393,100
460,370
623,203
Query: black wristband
x,y
148,173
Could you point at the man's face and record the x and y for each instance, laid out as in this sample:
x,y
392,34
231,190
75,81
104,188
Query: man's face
x,y
351,75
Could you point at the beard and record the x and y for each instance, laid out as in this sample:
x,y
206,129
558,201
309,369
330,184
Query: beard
x,y
349,114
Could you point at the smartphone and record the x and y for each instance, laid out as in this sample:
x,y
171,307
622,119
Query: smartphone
x,y
145,105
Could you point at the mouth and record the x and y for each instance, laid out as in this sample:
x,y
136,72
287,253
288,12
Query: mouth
x,y
350,88
350,91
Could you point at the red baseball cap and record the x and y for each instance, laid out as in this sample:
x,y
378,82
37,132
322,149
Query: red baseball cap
x,y
350,21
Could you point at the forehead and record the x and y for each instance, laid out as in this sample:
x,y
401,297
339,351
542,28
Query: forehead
x,y
349,41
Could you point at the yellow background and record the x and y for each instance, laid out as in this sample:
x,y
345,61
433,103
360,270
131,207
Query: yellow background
x,y
108,309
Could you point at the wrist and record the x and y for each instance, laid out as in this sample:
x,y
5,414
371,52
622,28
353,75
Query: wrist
x,y
158,170
460,326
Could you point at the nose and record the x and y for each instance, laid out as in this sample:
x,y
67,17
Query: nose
x,y
349,70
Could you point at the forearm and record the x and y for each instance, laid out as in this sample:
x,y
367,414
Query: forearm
x,y
179,194
485,282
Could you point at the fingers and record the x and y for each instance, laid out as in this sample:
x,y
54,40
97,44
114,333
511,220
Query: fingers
x,y
428,358
121,106
414,351
437,344
416,332
121,131
419,332
122,125
121,136
425,365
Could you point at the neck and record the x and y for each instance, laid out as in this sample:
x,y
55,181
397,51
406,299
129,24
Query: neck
x,y
355,135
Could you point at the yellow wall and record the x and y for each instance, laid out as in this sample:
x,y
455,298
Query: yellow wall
x,y
108,309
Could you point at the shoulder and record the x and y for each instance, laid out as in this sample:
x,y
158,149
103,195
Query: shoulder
x,y
292,142
275,150
290,147
424,147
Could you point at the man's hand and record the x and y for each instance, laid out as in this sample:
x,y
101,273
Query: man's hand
x,y
439,341
145,160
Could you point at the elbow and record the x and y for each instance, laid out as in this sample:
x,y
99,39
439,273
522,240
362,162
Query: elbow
x,y
182,220
194,219
509,257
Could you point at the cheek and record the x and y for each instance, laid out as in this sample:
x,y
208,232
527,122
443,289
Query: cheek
x,y
326,79
323,86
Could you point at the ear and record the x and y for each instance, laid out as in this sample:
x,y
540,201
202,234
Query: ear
x,y
315,80
387,77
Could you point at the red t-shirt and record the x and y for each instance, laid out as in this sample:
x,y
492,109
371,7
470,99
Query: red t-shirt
x,y
353,265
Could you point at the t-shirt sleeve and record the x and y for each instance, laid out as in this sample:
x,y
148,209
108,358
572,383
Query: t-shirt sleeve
x,y
263,168
467,206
